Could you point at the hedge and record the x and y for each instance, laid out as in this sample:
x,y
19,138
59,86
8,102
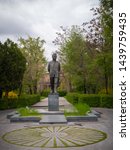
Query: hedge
x,y
106,101
45,93
22,101
72,97
62,93
93,100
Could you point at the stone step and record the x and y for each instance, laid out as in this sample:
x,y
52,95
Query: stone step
x,y
89,117
17,118
53,119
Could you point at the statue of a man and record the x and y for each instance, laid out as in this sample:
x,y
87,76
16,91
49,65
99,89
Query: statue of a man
x,y
54,70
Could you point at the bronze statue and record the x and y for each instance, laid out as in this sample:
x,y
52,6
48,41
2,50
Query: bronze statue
x,y
54,70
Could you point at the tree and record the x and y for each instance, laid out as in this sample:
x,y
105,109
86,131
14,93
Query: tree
x,y
87,62
73,56
99,35
32,49
12,66
106,7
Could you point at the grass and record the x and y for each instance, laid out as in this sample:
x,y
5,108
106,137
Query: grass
x,y
28,112
79,110
82,108
71,113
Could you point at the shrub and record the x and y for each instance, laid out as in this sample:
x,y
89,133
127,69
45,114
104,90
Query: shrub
x,y
72,97
28,100
106,101
27,111
82,108
62,93
3,104
22,101
11,94
12,102
93,100
45,93
103,91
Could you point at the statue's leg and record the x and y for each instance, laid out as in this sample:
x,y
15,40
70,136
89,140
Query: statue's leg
x,y
55,84
52,84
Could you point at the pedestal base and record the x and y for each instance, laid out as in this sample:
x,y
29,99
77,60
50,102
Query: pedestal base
x,y
53,102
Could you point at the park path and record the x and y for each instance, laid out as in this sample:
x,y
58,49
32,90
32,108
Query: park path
x,y
105,124
44,102
63,104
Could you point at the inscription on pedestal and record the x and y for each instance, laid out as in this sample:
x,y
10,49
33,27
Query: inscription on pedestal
x,y
53,102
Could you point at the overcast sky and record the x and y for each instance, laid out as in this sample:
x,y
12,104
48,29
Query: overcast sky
x,y
43,18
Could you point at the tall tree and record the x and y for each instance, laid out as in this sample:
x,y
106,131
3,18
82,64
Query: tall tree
x,y
32,49
88,62
99,35
73,56
12,66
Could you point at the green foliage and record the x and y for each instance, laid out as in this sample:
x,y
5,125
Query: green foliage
x,y
62,93
82,108
93,100
28,100
73,56
73,113
103,91
32,49
3,104
27,111
12,66
106,101
100,55
72,97
45,93
42,97
85,68
22,101
106,7
88,62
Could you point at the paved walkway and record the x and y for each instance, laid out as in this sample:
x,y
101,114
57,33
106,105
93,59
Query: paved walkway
x,y
105,124
63,105
44,103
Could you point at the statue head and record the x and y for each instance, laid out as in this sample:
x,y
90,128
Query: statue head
x,y
54,56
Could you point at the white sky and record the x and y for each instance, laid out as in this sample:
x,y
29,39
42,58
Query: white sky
x,y
43,18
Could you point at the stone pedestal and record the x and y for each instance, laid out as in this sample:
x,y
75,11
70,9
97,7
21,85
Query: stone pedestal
x,y
53,102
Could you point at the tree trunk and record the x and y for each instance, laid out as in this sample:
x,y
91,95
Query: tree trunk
x,y
69,86
6,94
85,86
30,89
106,83
35,89
106,76
20,89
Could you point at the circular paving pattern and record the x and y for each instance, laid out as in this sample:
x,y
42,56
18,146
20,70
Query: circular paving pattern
x,y
54,136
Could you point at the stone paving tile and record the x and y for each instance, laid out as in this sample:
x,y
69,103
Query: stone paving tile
x,y
49,119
